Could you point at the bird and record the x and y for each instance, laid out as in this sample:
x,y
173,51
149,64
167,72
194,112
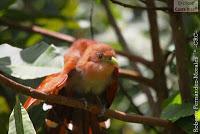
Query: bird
x,y
90,74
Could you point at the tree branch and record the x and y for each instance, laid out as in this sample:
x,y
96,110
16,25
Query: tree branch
x,y
130,99
134,75
158,58
91,19
182,57
139,7
138,59
39,30
56,99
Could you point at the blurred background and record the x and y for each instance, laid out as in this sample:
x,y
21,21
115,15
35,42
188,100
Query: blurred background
x,y
72,17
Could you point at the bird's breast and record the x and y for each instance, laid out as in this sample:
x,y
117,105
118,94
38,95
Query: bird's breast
x,y
93,78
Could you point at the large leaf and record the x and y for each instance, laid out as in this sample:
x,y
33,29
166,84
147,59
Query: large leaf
x,y
19,121
173,112
34,62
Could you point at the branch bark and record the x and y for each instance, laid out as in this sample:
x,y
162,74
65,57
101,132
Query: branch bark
x,y
39,30
134,75
78,104
182,58
159,64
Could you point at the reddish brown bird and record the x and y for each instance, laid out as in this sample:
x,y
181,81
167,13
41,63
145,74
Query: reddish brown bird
x,y
90,73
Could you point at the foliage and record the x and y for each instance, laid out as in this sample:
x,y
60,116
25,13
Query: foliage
x,y
19,121
173,112
31,63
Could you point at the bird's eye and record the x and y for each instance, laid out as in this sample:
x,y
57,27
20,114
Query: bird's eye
x,y
99,55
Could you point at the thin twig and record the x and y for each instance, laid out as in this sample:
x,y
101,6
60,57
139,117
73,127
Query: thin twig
x,y
56,99
139,7
143,1
91,19
130,99
114,25
169,57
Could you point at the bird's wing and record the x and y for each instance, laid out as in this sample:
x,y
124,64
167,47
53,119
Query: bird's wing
x,y
112,88
52,84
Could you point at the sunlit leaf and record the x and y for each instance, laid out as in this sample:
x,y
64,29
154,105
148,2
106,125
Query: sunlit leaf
x,y
34,62
173,99
197,115
19,121
173,112
3,105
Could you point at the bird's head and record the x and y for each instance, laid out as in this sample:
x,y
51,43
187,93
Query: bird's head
x,y
102,53
98,57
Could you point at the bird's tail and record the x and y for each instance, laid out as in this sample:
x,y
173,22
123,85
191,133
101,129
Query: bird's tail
x,y
72,121
85,122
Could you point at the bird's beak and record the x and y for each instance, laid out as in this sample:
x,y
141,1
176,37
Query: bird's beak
x,y
114,61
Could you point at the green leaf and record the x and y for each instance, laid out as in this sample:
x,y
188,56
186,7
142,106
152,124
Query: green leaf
x,y
197,115
3,105
35,62
173,112
175,98
19,121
